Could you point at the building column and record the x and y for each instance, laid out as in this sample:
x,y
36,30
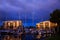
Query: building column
x,y
44,25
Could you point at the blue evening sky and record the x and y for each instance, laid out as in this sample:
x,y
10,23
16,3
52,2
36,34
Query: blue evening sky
x,y
29,11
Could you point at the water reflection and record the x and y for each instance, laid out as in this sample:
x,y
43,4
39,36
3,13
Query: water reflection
x,y
17,37
11,37
20,37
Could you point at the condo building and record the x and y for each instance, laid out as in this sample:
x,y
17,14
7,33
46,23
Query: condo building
x,y
13,24
45,24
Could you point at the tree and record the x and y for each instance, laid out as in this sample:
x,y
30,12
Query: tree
x,y
55,18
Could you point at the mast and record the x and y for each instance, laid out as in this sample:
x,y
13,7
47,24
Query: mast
x,y
33,12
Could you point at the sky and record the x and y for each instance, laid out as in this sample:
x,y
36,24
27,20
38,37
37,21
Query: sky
x,y
29,11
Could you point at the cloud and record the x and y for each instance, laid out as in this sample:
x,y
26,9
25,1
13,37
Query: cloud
x,y
28,5
28,8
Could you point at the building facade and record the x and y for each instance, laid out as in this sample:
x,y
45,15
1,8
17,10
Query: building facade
x,y
12,24
45,24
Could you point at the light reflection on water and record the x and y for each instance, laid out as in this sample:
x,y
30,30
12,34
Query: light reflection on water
x,y
18,37
10,37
